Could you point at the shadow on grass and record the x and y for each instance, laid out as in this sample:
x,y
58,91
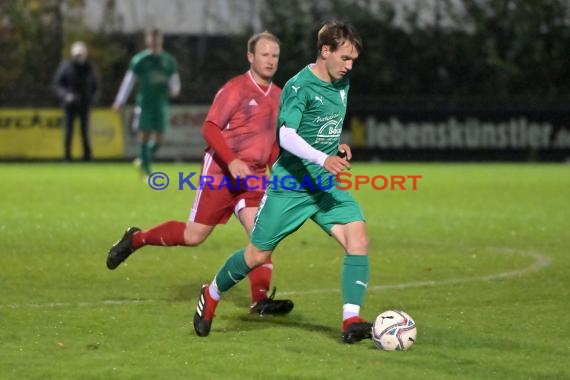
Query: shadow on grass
x,y
242,320
250,322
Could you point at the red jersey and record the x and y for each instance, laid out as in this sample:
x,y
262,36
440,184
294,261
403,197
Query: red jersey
x,y
247,116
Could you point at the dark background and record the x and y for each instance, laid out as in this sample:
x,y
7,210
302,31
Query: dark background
x,y
495,59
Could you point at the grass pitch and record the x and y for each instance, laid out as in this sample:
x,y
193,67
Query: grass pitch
x,y
478,255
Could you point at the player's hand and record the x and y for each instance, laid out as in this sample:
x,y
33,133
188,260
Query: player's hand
x,y
344,151
335,164
69,98
239,168
117,107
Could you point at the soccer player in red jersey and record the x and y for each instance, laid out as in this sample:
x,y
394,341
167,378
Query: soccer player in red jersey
x,y
240,130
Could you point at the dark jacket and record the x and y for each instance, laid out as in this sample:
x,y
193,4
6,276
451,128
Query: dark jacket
x,y
79,79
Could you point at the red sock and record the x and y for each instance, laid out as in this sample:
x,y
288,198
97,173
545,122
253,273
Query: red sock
x,y
166,234
260,280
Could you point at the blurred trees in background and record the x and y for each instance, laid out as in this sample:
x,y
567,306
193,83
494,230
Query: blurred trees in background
x,y
481,49
35,37
484,48
30,45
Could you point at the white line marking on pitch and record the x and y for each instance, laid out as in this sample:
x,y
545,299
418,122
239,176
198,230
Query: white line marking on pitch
x,y
541,261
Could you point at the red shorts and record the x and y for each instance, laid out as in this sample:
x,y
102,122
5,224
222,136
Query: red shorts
x,y
215,206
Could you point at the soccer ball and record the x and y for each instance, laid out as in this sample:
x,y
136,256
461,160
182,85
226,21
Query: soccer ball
x,y
394,330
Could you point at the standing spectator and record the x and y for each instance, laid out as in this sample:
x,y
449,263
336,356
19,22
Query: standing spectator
x,y
77,86
157,72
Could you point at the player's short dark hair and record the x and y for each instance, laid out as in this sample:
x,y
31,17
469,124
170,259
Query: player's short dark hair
x,y
153,33
256,37
334,33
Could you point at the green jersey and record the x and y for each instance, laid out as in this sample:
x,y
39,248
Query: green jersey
x,y
316,110
153,72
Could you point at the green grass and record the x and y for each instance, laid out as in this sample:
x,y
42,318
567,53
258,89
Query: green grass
x,y
478,255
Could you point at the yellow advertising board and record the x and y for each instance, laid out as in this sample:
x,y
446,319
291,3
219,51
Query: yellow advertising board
x,y
38,133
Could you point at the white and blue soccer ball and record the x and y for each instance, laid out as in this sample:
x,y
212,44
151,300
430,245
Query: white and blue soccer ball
x,y
394,330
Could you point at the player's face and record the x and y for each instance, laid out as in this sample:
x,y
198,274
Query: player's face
x,y
80,58
154,43
265,59
340,62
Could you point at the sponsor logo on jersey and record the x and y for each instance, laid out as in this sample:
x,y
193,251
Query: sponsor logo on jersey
x,y
324,119
329,131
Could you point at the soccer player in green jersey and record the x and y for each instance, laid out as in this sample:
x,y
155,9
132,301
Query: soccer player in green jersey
x,y
312,110
157,74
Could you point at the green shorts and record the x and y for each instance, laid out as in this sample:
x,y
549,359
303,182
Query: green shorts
x,y
151,119
279,217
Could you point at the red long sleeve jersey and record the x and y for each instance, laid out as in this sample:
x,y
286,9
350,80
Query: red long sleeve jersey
x,y
247,116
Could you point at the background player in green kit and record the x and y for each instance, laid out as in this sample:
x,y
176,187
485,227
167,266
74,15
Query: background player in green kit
x,y
157,74
312,110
